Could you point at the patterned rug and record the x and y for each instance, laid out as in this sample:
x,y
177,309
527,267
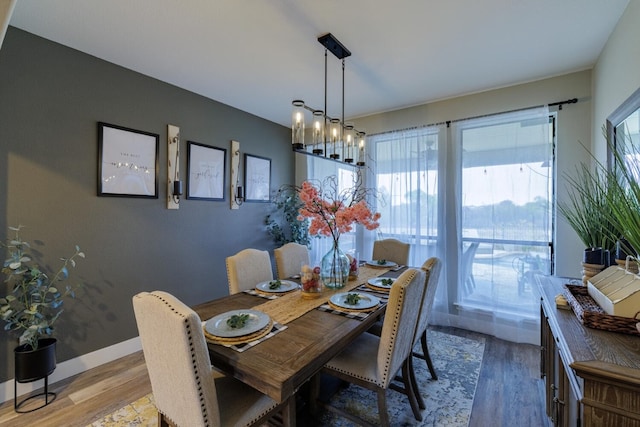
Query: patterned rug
x,y
449,400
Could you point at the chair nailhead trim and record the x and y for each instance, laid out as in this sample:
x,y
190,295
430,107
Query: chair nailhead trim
x,y
203,406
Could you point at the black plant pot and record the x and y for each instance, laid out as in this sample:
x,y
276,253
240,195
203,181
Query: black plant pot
x,y
32,365
593,256
624,248
36,364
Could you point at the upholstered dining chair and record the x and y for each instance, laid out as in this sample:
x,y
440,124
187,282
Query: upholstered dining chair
x,y
391,250
187,391
432,268
372,361
247,268
289,258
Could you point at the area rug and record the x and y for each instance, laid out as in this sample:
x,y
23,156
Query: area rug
x,y
457,361
449,400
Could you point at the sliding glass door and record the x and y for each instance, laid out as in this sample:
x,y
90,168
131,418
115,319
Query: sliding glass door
x,y
505,209
477,193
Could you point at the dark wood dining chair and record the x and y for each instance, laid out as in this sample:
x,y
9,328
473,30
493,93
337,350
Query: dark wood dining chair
x,y
372,361
186,389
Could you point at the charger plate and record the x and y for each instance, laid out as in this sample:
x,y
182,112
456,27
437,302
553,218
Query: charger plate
x,y
217,325
387,264
367,302
241,339
285,286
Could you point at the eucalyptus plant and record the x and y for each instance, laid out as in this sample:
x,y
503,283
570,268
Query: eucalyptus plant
x,y
35,301
284,224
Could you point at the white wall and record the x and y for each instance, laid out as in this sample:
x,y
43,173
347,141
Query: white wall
x,y
617,73
6,10
574,129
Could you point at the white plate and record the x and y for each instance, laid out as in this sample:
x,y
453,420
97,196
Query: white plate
x,y
286,286
374,263
377,282
366,300
218,325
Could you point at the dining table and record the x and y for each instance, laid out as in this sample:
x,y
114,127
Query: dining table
x,y
280,365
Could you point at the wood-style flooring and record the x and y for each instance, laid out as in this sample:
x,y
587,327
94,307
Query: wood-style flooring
x,y
509,391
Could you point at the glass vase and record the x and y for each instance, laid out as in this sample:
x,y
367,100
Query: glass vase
x,y
334,268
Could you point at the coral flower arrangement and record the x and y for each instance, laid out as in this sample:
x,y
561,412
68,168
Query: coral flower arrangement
x,y
331,212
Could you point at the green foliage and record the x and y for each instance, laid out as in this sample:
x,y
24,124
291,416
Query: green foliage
x,y
591,194
35,302
283,224
605,202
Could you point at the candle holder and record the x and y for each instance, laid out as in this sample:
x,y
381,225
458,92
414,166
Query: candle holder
x,y
297,125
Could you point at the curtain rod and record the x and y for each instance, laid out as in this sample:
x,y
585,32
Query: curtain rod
x,y
559,104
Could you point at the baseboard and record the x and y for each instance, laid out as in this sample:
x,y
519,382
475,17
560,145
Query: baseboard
x,y
74,366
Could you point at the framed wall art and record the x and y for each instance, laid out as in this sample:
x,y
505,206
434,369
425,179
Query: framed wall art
x,y
257,178
206,171
127,162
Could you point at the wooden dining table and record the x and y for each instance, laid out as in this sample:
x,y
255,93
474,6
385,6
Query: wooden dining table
x,y
281,364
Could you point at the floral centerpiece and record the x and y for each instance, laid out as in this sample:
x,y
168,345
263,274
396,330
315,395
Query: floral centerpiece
x,y
331,212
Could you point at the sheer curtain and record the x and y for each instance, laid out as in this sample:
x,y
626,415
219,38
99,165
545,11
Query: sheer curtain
x,y
408,172
476,194
503,202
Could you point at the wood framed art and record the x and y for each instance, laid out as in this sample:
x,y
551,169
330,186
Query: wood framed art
x,y
127,162
257,178
206,171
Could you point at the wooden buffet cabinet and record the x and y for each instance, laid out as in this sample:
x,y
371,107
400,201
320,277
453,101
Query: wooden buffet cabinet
x,y
591,377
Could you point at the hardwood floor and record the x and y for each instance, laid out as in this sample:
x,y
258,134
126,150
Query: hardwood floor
x,y
509,391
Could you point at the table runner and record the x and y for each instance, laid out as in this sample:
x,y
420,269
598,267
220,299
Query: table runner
x,y
293,305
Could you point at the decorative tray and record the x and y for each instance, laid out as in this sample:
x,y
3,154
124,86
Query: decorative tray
x,y
590,314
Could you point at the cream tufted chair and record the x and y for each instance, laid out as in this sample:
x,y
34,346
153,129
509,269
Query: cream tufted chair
x,y
289,258
391,250
247,268
371,361
432,268
186,389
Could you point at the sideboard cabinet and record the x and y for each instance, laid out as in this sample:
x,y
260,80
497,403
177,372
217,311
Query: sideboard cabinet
x,y
591,377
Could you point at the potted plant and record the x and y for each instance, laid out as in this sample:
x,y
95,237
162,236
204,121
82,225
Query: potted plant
x,y
588,211
32,306
284,224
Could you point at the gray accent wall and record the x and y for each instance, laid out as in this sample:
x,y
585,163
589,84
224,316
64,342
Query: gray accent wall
x,y
51,99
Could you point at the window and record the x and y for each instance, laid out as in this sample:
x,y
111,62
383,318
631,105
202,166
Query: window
x,y
477,194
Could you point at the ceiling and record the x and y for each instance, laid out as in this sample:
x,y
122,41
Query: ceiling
x,y
258,56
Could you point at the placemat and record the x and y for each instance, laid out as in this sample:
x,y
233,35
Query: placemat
x,y
244,345
360,314
292,305
266,295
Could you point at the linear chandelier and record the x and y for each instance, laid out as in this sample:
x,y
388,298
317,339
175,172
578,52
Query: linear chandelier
x,y
330,136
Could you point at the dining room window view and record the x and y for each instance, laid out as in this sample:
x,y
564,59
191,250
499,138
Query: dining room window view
x,y
478,194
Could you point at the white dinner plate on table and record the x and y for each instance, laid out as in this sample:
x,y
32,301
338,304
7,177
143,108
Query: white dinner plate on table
x,y
378,282
218,325
366,301
375,263
285,286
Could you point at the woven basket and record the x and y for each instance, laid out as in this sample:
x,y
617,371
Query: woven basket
x,y
592,315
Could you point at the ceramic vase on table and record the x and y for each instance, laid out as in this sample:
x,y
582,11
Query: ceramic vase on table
x,y
334,268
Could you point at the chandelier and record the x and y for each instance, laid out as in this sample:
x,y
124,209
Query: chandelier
x,y
331,137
